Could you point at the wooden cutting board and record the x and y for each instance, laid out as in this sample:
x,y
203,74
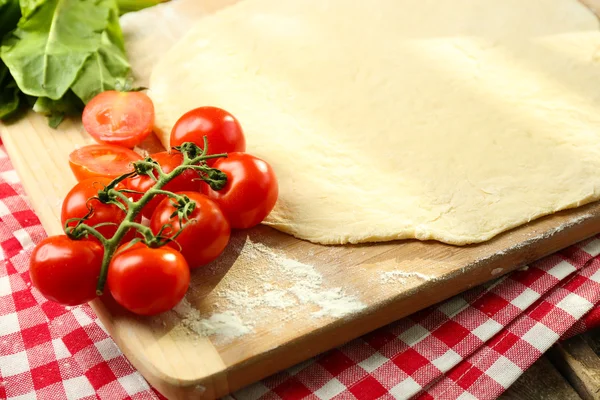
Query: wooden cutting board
x,y
269,303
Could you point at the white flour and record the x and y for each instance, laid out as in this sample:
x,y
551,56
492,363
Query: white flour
x,y
227,324
265,287
401,276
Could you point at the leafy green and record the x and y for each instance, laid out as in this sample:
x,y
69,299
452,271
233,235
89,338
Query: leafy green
x,y
9,15
56,110
29,6
106,66
3,72
49,47
101,72
9,100
56,55
126,6
9,93
113,28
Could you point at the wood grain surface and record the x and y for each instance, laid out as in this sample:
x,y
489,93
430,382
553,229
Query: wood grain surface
x,y
185,364
579,361
541,381
570,370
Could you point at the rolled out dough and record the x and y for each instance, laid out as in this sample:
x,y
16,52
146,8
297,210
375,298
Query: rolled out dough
x,y
390,119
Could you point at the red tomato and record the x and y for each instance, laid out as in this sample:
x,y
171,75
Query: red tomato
x,y
104,160
222,130
187,181
251,190
66,270
206,235
148,281
75,205
123,118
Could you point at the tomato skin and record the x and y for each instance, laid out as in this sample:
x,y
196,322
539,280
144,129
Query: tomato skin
x,y
186,181
204,239
222,130
75,206
101,160
148,281
122,118
65,270
251,190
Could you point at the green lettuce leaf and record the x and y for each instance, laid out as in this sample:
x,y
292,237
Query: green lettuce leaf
x,y
29,6
126,6
9,100
105,67
3,72
9,15
50,46
113,28
56,110
9,94
101,72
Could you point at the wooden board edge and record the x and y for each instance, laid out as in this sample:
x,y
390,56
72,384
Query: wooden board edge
x,y
384,313
389,312
169,386
298,350
166,384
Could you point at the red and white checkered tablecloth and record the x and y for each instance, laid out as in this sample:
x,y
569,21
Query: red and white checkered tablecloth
x,y
472,346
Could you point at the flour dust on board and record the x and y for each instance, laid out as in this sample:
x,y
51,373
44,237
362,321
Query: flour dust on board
x,y
259,285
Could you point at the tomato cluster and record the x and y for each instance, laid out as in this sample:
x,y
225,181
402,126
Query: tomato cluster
x,y
147,266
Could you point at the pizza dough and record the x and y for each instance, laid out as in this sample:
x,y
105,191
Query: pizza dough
x,y
391,119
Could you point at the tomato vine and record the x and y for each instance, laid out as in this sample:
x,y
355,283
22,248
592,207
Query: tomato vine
x,y
194,158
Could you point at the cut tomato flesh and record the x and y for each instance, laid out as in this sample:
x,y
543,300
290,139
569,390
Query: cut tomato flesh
x,y
102,160
121,118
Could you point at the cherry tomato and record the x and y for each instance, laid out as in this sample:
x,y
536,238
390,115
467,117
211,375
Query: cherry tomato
x,y
123,118
104,160
148,281
75,205
66,270
222,130
206,235
187,181
251,190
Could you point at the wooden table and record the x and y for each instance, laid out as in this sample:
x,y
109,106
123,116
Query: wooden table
x,y
570,370
176,364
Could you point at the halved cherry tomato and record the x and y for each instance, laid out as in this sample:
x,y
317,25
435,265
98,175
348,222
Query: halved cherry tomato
x,y
251,190
123,118
101,160
66,270
187,181
204,237
75,205
222,130
148,281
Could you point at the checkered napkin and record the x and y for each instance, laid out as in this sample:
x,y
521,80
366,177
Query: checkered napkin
x,y
472,346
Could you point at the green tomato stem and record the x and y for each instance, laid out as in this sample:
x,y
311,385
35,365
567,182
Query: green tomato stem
x,y
108,254
170,194
94,232
135,207
125,199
